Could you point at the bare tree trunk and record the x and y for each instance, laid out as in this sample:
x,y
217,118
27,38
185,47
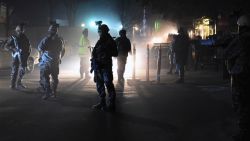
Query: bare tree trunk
x,y
50,10
71,8
7,24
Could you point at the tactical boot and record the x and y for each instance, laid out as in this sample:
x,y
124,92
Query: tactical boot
x,y
46,96
53,94
111,106
13,83
20,86
181,80
100,106
12,87
41,89
54,91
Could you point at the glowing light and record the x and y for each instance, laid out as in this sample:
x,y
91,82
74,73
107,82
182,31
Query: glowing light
x,y
206,21
120,26
136,28
203,27
157,40
92,24
83,25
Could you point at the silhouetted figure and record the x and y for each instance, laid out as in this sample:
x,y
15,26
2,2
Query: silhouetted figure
x,y
124,47
101,64
238,57
180,48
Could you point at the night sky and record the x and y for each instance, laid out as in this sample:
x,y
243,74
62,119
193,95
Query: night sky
x,y
36,11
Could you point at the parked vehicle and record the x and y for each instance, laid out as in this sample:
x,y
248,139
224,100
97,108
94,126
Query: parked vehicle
x,y
5,58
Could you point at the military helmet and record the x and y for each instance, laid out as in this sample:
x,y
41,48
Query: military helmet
x,y
122,32
244,20
104,28
85,31
53,26
20,27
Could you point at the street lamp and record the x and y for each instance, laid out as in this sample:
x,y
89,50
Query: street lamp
x,y
135,28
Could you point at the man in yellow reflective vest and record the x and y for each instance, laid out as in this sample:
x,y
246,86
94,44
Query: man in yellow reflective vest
x,y
84,53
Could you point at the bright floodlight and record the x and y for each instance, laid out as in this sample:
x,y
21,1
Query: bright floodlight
x,y
157,40
92,24
136,28
82,25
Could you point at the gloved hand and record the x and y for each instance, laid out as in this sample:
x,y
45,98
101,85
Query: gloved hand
x,y
91,70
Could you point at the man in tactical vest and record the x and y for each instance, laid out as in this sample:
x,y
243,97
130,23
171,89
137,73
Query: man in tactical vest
x,y
238,57
101,64
51,50
19,45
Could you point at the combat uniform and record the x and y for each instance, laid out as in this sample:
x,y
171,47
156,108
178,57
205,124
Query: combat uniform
x,y
123,46
52,50
101,64
20,47
238,58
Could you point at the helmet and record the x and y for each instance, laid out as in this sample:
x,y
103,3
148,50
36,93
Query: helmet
x,y
244,20
53,28
122,32
181,30
85,31
20,27
104,28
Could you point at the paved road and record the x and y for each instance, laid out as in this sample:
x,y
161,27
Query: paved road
x,y
199,110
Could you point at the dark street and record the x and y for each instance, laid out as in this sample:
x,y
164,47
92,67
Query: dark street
x,y
200,109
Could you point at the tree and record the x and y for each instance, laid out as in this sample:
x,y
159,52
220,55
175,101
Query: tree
x,y
52,4
71,9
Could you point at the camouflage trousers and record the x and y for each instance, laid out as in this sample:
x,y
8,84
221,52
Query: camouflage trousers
x,y
48,70
121,63
104,77
18,69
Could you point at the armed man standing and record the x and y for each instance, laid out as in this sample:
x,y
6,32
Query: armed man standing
x,y
238,57
124,47
101,64
51,51
84,53
19,45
